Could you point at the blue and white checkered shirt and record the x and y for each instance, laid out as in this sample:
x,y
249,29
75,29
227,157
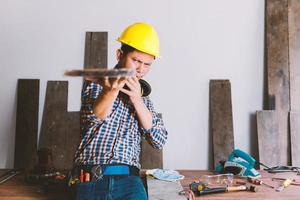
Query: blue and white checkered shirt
x,y
117,138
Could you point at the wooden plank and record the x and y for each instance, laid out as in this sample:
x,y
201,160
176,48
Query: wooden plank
x,y
150,158
277,57
95,50
294,53
268,138
277,61
73,138
163,190
221,119
26,123
295,137
54,123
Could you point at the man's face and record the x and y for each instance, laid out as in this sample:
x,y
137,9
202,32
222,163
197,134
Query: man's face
x,y
138,60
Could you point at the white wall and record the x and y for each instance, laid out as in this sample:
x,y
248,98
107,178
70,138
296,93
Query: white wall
x,y
200,40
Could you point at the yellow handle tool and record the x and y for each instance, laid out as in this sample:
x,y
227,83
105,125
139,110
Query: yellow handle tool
x,y
285,184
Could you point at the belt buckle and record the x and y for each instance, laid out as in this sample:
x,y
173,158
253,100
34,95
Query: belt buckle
x,y
97,173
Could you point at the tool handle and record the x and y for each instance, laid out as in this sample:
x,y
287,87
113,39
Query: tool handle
x,y
212,190
9,176
287,182
236,188
254,181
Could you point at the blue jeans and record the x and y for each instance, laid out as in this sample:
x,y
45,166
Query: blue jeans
x,y
112,188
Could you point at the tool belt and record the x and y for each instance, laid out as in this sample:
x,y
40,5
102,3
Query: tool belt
x,y
86,173
110,170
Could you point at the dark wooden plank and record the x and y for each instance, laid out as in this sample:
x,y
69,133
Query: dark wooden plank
x,y
268,138
150,158
295,137
294,53
221,119
73,135
95,50
277,61
54,123
27,123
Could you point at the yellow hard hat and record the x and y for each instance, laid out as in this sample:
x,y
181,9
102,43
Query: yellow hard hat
x,y
142,37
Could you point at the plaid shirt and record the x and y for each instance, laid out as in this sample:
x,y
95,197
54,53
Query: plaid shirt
x,y
117,138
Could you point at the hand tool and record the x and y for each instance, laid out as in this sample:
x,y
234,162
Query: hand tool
x,y
200,188
294,182
258,182
255,181
81,176
285,184
240,183
197,186
87,177
281,169
8,176
6,172
250,188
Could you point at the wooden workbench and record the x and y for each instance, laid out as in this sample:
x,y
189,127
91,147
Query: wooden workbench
x,y
18,189
292,192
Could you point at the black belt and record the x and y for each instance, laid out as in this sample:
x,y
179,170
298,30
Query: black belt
x,y
98,171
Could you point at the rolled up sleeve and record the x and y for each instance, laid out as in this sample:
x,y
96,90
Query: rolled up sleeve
x,y
157,134
88,119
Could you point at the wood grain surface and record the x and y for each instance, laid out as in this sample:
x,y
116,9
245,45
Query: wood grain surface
x,y
95,50
268,138
55,122
294,53
264,193
277,61
221,119
27,123
295,137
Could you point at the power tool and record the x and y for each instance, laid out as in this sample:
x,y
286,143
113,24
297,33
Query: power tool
x,y
238,163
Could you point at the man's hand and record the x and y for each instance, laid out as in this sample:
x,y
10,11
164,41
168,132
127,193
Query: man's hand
x,y
134,89
110,85
135,95
111,88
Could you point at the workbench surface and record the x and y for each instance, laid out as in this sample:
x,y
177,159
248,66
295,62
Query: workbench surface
x,y
292,192
17,189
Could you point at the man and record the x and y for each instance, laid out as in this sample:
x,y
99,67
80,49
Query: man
x,y
114,117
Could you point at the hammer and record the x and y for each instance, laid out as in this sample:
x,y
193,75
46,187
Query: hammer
x,y
250,188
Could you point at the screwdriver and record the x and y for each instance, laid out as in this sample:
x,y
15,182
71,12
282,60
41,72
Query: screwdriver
x,y
292,183
254,181
285,184
257,182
